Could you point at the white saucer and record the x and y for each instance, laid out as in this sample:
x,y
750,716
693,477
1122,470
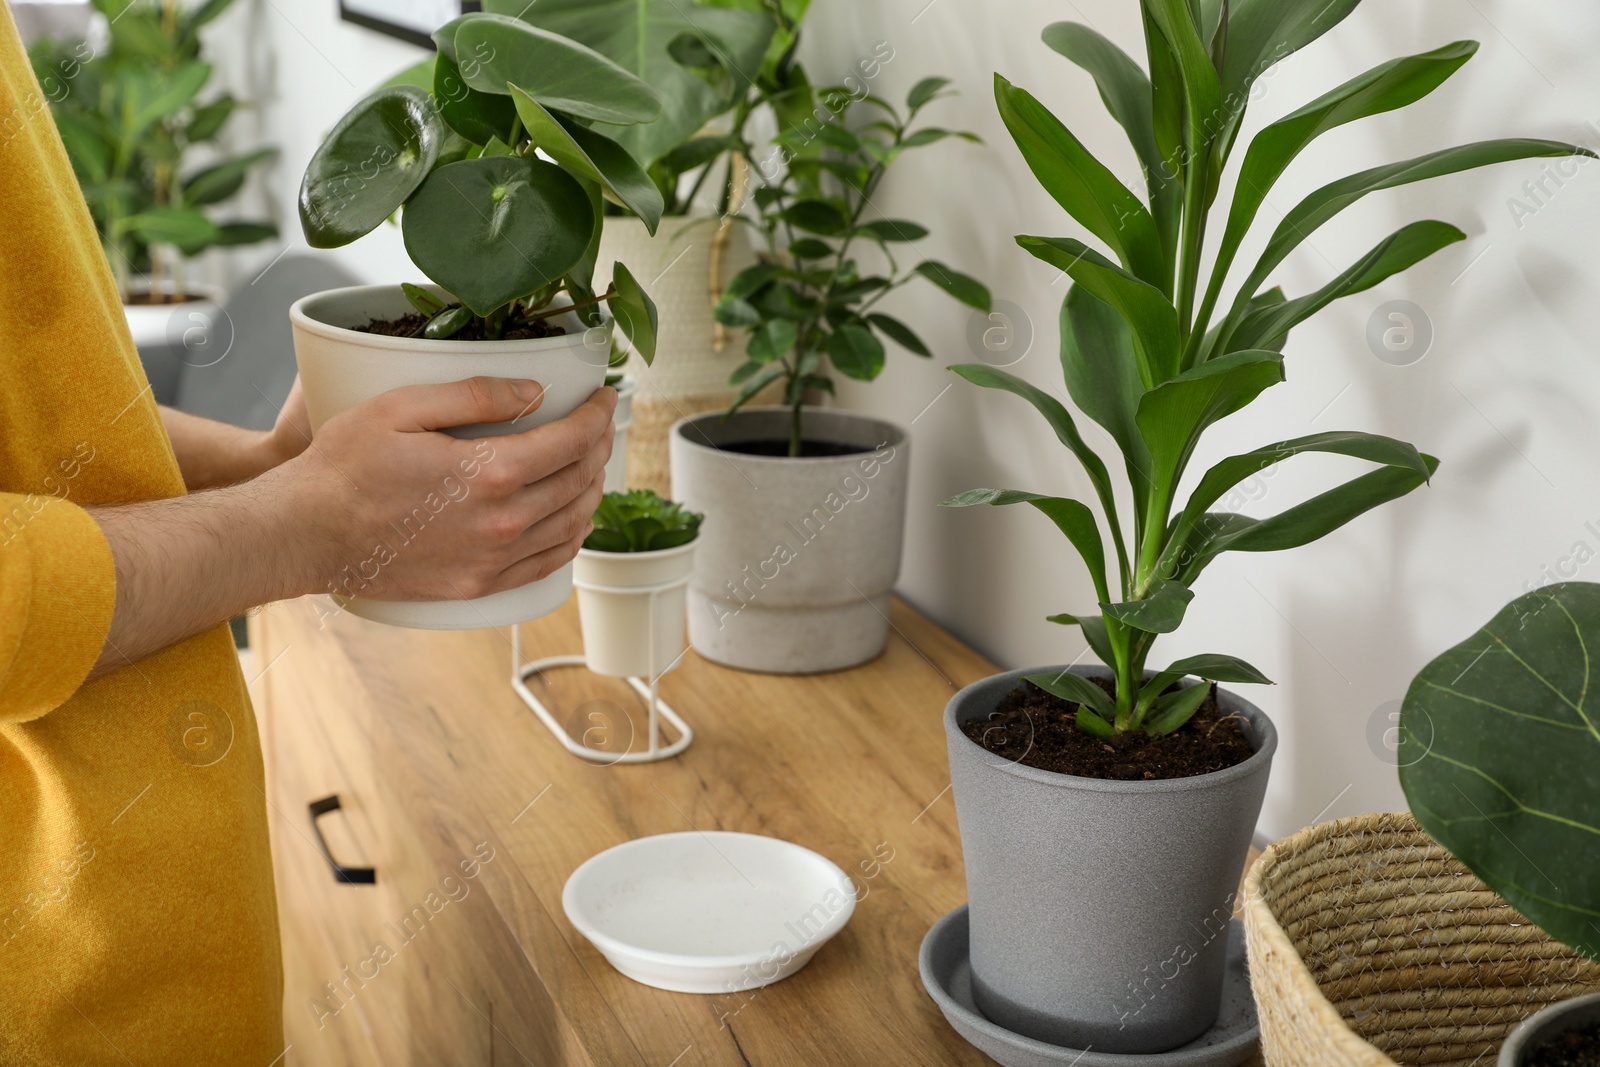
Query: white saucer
x,y
947,976
711,912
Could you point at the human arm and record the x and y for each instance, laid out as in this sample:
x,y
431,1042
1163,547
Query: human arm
x,y
212,454
519,508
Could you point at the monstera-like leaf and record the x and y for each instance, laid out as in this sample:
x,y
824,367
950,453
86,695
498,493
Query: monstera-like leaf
x,y
1500,757
642,37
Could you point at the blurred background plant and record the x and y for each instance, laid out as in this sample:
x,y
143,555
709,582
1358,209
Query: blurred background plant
x,y
131,117
640,520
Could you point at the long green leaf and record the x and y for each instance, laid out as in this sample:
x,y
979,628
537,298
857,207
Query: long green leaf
x,y
1125,91
635,312
593,156
1094,632
1386,87
496,52
1071,517
1159,612
1262,33
1102,375
1399,251
221,180
1202,90
1149,314
1173,415
1172,710
1080,183
1076,688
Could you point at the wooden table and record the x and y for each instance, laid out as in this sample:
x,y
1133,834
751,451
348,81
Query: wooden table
x,y
454,958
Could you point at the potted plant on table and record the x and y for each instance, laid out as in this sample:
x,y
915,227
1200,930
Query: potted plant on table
x,y
1105,812
500,177
714,65
630,575
132,121
808,505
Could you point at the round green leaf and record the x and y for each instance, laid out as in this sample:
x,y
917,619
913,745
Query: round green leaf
x,y
856,352
489,230
374,159
477,116
495,52
1499,757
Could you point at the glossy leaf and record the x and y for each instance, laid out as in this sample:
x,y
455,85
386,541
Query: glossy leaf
x,y
1148,312
1102,376
855,352
1173,415
1499,757
1261,33
635,312
368,165
965,288
1076,688
491,229
495,52
1070,516
476,115
899,333
1172,710
1080,183
1160,611
447,323
592,156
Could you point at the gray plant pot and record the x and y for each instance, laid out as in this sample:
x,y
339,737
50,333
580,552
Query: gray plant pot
x,y
1544,1025
1099,909
797,557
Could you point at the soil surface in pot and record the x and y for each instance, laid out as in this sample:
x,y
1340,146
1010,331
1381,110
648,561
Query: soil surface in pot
x,y
517,328
1039,729
149,299
1578,1047
809,449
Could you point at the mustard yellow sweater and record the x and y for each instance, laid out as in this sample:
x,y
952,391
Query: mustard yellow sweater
x,y
138,923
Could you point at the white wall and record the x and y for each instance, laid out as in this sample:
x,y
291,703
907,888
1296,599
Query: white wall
x,y
1507,396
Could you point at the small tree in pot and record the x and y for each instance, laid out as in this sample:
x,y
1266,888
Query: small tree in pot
x,y
1080,884
500,178
809,505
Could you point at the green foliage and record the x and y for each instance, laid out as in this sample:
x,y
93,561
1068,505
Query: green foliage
x,y
1143,352
1499,757
493,155
638,520
808,303
130,117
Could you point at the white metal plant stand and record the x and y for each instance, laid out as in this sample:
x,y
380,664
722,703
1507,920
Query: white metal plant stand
x,y
650,691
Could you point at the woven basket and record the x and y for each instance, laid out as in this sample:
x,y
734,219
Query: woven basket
x,y
1370,945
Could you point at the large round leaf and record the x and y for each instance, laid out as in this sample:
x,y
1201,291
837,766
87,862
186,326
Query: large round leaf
x,y
372,161
475,115
592,156
1500,757
495,52
491,229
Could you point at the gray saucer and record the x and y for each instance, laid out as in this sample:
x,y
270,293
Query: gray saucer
x,y
947,975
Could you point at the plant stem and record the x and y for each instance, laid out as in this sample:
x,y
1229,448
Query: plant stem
x,y
547,313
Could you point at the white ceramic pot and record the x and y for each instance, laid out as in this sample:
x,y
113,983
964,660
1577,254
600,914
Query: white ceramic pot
x,y
340,367
631,606
190,332
617,465
798,557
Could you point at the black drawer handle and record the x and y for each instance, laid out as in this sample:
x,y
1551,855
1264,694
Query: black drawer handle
x,y
341,873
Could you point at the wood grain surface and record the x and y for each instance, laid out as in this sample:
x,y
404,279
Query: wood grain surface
x,y
473,817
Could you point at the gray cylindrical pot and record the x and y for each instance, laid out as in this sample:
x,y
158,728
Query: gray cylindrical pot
x,y
1099,909
1545,1025
797,557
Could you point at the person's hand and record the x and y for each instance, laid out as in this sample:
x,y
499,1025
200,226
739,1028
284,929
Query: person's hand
x,y
397,510
291,433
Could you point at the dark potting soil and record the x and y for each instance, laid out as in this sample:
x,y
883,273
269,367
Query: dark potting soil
x,y
809,449
410,325
151,299
1578,1047
1039,729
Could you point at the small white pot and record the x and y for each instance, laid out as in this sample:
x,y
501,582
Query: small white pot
x,y
340,368
617,465
190,332
632,609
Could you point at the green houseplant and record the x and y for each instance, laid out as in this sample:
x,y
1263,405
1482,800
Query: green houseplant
x,y
1499,757
795,575
631,574
133,117
1154,351
499,175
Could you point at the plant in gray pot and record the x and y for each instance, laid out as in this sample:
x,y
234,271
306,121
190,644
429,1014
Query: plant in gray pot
x,y
795,569
1499,757
1106,812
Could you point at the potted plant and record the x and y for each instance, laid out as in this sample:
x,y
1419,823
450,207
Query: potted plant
x,y
808,505
630,574
131,119
1499,757
499,176
714,65
1105,812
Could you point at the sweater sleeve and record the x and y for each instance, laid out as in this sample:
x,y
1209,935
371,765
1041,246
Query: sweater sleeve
x,y
57,595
